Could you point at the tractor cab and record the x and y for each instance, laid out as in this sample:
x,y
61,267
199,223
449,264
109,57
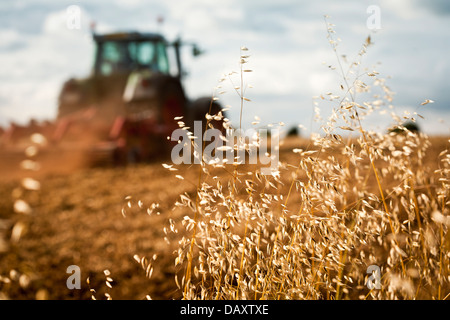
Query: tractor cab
x,y
130,99
122,53
130,68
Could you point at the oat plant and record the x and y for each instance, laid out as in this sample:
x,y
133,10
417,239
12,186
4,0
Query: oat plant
x,y
353,198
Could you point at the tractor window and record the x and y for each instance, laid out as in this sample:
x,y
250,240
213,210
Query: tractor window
x,y
125,56
146,53
113,58
150,54
163,62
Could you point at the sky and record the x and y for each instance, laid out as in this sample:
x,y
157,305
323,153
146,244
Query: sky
x,y
287,40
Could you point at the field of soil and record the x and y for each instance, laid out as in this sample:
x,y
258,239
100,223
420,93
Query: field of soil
x,y
97,219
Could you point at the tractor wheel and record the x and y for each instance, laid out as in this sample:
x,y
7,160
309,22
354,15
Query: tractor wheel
x,y
200,108
71,98
172,103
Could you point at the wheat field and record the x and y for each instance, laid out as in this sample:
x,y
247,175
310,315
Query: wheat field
x,y
339,201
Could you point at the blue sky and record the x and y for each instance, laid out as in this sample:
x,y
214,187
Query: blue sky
x,y
287,41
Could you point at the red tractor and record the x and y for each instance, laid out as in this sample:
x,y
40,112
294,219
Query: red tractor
x,y
124,110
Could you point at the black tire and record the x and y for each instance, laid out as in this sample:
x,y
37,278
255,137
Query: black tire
x,y
170,103
198,110
172,100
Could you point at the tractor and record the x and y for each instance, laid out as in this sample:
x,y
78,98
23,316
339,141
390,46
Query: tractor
x,y
124,111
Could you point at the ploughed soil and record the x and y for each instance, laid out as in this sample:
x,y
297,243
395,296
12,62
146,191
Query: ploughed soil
x,y
97,219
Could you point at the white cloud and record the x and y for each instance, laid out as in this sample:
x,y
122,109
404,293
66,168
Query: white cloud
x,y
37,69
287,40
404,9
129,3
10,39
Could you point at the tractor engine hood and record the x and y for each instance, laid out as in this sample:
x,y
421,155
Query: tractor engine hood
x,y
139,86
